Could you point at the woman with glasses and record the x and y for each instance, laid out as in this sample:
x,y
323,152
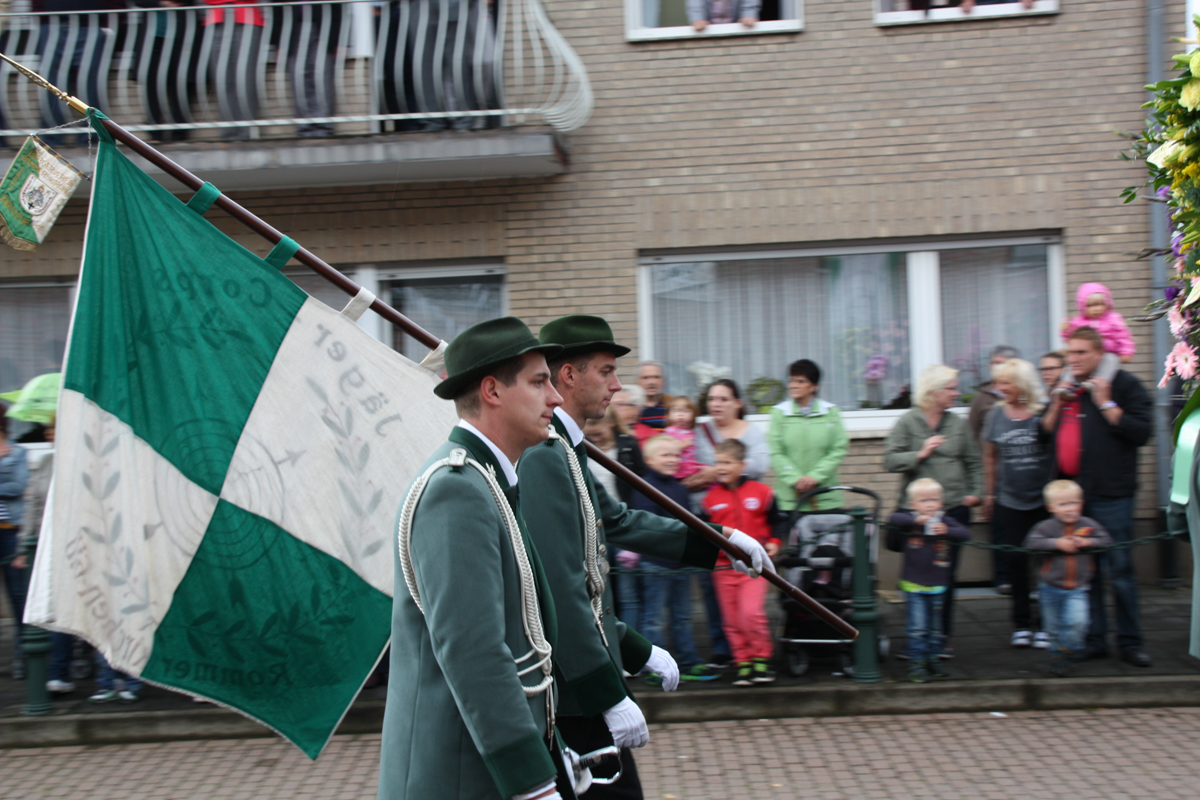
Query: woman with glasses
x,y
931,442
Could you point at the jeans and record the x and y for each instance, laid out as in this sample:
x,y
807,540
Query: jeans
x,y
923,616
1011,525
105,676
629,600
712,609
1116,515
14,580
59,668
1065,616
665,591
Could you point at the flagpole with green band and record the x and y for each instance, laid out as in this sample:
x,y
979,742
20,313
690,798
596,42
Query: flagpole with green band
x,y
304,256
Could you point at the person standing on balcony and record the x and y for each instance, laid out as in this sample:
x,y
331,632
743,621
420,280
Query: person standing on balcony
x,y
233,60
447,82
312,50
174,47
702,13
79,72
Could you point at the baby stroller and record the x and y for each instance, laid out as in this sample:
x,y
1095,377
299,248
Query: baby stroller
x,y
819,558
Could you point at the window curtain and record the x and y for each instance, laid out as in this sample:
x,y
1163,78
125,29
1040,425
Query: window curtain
x,y
993,296
33,332
444,307
750,319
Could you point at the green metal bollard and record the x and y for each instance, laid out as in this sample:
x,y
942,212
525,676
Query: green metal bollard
x,y
865,615
36,648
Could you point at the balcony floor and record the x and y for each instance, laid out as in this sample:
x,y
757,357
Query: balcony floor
x,y
361,160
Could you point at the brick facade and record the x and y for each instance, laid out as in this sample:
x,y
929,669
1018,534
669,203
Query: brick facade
x,y
845,133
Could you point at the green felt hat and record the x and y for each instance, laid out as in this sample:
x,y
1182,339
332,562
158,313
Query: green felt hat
x,y
579,334
480,347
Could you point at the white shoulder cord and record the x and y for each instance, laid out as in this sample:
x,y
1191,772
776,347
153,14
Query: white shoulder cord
x,y
531,616
595,565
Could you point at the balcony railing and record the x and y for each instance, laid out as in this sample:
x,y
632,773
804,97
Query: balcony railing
x,y
239,70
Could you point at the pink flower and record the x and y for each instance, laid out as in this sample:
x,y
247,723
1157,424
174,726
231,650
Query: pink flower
x,y
1184,358
1178,323
1179,265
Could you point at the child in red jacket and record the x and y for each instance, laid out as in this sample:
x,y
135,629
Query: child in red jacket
x,y
748,506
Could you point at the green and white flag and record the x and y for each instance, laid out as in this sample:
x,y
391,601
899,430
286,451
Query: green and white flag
x,y
231,454
32,195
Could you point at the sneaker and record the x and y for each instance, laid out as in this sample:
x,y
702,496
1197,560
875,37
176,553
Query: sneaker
x,y
720,661
699,672
745,675
59,687
934,668
1021,639
653,679
1041,640
1004,588
127,696
103,696
918,674
947,653
762,673
902,655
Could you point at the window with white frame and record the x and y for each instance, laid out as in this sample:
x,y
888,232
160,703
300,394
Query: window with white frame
x,y
676,19
908,12
33,331
443,300
34,320
872,319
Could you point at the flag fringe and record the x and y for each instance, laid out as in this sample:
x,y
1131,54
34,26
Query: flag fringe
x,y
12,240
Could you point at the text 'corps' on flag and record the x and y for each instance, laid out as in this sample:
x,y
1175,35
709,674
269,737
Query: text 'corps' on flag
x,y
231,455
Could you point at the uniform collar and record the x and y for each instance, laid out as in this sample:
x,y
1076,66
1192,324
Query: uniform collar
x,y
572,430
506,466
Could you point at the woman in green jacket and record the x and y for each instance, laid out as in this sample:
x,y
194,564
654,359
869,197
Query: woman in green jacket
x,y
807,439
930,442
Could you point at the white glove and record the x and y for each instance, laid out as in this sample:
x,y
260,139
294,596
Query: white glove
x,y
554,795
627,724
661,662
581,776
759,560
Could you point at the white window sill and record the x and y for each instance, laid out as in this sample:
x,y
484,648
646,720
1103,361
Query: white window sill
x,y
717,31
870,423
955,14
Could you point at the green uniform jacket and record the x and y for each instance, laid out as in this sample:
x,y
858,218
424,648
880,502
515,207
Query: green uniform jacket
x,y
812,445
457,724
590,674
955,465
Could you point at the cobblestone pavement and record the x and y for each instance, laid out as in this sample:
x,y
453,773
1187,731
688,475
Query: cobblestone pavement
x,y
1095,755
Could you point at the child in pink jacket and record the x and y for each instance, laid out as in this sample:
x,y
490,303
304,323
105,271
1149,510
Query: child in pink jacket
x,y
1095,304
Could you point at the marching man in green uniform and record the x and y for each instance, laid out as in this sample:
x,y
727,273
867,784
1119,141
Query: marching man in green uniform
x,y
572,521
471,701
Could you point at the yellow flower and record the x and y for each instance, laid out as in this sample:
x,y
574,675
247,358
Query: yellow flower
x,y
1195,63
1189,98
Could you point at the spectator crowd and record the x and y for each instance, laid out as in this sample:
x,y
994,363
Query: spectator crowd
x,y
1046,457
